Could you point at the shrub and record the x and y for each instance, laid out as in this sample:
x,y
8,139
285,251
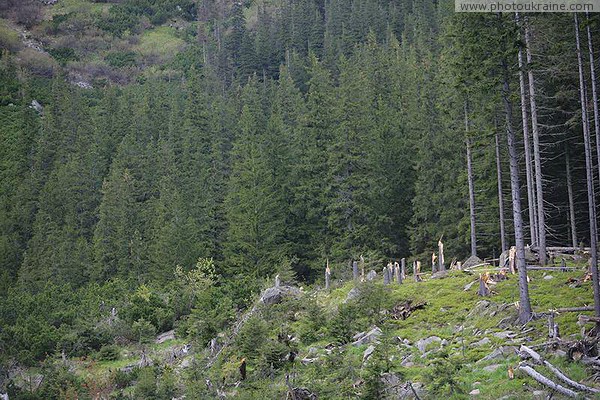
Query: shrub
x,y
143,330
63,54
9,39
108,353
120,59
37,63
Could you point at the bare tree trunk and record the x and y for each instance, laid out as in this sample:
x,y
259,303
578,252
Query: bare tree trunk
x,y
589,173
524,302
571,199
594,92
471,185
533,225
536,153
500,197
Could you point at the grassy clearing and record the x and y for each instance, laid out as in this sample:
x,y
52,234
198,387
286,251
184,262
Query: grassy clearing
x,y
458,317
161,42
75,6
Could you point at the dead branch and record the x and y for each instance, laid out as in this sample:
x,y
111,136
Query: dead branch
x,y
535,356
545,381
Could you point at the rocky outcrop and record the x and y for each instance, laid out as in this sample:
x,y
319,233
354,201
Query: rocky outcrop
x,y
274,295
367,337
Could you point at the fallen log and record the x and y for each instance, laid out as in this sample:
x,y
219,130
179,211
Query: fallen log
x,y
558,249
545,381
573,309
586,318
535,356
559,269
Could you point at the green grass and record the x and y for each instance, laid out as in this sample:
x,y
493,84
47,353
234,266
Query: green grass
x,y
9,38
75,6
160,41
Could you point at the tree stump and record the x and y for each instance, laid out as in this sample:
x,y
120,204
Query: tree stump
x,y
484,289
355,274
403,268
417,271
441,266
398,273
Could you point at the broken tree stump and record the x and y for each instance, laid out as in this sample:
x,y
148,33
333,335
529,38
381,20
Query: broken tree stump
x,y
398,273
417,271
355,274
484,289
441,266
386,276
403,268
327,276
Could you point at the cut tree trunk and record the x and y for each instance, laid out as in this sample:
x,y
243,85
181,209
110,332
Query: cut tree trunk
x,y
403,268
441,266
398,273
470,182
355,273
539,195
589,173
515,184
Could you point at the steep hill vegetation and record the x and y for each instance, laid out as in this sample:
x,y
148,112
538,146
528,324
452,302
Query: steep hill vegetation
x,y
162,160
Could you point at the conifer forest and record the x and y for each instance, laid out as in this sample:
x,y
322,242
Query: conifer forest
x,y
297,199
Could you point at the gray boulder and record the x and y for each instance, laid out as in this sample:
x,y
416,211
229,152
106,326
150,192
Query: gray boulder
x,y
424,343
367,337
274,295
500,353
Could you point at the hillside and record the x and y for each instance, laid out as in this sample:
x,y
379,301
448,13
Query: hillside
x,y
163,161
453,343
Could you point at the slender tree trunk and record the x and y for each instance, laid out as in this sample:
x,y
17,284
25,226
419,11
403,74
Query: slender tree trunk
x,y
589,173
532,208
471,185
515,185
536,153
571,199
594,93
500,197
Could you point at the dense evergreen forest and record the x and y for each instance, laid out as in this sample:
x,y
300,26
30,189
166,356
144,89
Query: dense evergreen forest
x,y
280,135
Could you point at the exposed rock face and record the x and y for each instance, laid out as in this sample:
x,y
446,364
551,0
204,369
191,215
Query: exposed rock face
x,y
499,353
440,275
371,275
367,337
274,295
352,294
302,394
163,337
395,389
368,353
37,106
422,344
471,262
482,342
